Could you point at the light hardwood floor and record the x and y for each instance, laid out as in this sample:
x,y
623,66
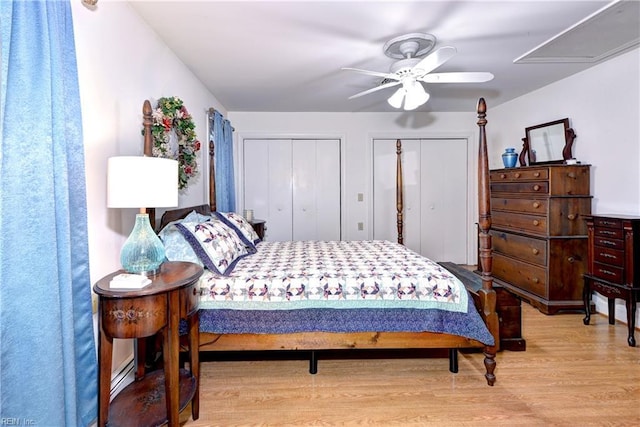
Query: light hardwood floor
x,y
570,375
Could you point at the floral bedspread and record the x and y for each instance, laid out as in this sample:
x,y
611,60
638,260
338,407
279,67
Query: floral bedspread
x,y
333,274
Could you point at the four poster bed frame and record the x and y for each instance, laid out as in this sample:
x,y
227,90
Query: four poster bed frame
x,y
312,341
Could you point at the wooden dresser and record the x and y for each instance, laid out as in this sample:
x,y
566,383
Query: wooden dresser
x,y
614,264
539,234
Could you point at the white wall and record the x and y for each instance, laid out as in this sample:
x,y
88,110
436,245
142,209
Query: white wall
x,y
121,63
603,107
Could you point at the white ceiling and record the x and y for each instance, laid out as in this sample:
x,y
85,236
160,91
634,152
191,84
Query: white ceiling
x,y
287,55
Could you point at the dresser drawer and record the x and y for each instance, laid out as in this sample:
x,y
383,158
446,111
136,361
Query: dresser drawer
x,y
521,247
519,174
607,222
566,216
609,243
609,233
608,256
520,205
569,181
528,277
608,272
533,187
520,222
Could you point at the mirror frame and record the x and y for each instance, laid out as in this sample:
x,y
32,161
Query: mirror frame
x,y
565,154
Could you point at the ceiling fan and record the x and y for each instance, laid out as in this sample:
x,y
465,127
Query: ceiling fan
x,y
411,71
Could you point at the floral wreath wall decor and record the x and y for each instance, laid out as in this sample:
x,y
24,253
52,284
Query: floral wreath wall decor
x,y
171,115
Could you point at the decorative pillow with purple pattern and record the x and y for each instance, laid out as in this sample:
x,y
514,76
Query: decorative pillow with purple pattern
x,y
217,245
240,224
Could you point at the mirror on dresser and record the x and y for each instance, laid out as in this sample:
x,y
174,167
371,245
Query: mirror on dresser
x,y
547,143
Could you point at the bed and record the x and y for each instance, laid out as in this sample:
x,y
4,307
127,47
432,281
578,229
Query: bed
x,y
316,296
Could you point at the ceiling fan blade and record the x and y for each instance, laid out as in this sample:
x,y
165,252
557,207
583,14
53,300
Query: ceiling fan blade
x,y
377,88
434,60
462,77
373,73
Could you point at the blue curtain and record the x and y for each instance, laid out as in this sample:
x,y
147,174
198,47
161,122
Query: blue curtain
x,y
221,133
48,369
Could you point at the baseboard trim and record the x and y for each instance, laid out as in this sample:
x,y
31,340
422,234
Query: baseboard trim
x,y
123,376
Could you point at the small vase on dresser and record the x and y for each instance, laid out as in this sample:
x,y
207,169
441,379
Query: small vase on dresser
x,y
509,157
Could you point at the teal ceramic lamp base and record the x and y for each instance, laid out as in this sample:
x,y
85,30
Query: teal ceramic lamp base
x,y
143,252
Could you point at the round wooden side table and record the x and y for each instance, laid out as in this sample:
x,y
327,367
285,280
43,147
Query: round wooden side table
x,y
158,397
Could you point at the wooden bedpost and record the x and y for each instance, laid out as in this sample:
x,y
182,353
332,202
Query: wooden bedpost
x,y
147,121
399,194
212,177
487,294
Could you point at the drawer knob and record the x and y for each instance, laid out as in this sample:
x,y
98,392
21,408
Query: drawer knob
x,y
503,175
536,222
535,280
536,174
536,205
571,260
571,175
571,217
535,251
517,174
536,187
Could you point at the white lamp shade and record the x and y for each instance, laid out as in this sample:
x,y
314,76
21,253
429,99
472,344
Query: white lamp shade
x,y
142,182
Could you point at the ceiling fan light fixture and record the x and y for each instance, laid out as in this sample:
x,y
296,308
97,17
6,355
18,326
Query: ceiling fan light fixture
x,y
410,70
396,99
416,96
415,99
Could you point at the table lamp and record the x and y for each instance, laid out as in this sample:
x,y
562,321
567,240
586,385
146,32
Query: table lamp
x,y
142,182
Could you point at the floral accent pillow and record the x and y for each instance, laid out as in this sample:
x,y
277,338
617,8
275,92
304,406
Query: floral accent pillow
x,y
240,224
217,245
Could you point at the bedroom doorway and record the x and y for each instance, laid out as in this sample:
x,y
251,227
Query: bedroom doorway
x,y
295,186
435,175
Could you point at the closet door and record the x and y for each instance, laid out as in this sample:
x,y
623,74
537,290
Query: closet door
x,y
295,186
443,199
316,189
267,184
435,196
